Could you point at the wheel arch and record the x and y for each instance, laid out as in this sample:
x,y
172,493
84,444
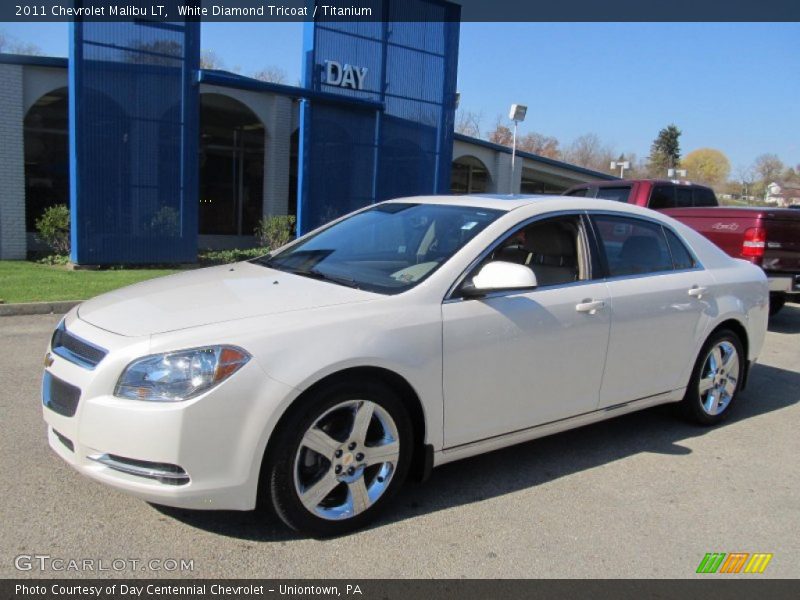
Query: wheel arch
x,y
737,327
422,456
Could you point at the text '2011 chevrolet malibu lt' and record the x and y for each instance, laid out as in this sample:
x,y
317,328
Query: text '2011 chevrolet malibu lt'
x,y
398,338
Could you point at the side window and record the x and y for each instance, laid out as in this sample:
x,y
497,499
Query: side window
x,y
632,246
681,257
553,249
704,197
582,192
662,196
683,197
620,194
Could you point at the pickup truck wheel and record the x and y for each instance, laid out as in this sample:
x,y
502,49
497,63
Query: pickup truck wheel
x,y
715,379
339,458
776,302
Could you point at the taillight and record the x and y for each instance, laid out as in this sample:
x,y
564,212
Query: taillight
x,y
755,240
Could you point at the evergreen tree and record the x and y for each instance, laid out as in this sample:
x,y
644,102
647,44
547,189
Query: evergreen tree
x,y
665,152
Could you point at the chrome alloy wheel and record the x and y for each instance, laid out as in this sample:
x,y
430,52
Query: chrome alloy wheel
x,y
719,378
346,459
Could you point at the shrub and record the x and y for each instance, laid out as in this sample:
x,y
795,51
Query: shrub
x,y
54,260
275,231
53,228
165,222
221,257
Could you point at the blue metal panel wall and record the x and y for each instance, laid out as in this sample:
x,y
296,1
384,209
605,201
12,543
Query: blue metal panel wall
x,y
133,142
353,157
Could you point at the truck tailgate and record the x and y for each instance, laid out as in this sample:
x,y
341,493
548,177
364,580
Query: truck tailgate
x,y
726,226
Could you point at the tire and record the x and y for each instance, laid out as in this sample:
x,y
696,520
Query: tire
x,y
712,392
776,303
326,476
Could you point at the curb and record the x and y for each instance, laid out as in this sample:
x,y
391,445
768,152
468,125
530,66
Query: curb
x,y
37,308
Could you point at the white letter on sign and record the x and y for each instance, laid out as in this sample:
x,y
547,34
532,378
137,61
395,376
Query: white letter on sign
x,y
334,72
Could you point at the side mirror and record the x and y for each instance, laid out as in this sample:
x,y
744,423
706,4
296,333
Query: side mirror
x,y
499,276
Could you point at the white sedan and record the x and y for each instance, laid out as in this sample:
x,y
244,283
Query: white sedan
x,y
403,336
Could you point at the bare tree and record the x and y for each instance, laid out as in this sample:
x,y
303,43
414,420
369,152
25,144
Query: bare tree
x,y
768,167
538,143
271,74
589,151
210,60
468,123
501,134
10,45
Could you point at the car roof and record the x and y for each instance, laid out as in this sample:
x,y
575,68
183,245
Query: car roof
x,y
623,182
545,203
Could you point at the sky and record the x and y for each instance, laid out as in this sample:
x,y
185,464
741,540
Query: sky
x,y
730,86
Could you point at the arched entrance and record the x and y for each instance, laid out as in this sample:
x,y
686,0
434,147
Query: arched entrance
x,y
469,176
231,167
46,148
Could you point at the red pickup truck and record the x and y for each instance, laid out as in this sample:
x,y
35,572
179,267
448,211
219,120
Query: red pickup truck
x,y
767,237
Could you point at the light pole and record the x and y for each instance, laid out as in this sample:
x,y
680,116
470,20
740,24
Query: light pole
x,y
622,164
516,114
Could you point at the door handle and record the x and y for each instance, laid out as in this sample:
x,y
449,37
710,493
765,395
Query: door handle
x,y
590,306
698,292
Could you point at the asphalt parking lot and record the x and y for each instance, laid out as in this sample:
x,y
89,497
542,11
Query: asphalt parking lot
x,y
644,495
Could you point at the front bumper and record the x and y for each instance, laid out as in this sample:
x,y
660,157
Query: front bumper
x,y
203,453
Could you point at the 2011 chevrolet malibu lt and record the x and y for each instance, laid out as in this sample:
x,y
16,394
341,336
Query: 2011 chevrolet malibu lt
x,y
400,337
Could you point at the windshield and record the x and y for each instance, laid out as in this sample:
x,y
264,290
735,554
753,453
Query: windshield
x,y
388,249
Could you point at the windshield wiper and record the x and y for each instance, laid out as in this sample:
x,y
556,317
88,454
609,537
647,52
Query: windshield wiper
x,y
315,274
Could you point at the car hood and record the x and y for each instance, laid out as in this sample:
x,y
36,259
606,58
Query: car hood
x,y
212,295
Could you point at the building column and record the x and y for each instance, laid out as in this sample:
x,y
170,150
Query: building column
x,y
506,183
13,244
277,156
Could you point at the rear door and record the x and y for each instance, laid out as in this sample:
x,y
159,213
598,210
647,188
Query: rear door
x,y
659,294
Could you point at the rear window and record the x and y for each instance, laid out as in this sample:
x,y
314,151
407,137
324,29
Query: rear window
x,y
662,196
619,193
683,197
703,197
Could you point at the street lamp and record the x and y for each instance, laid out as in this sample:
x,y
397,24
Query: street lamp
x,y
516,114
622,164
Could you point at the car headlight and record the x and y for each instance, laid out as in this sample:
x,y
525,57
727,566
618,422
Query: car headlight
x,y
176,376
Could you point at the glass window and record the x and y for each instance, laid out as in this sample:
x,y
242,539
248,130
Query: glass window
x,y
388,249
632,246
681,257
468,175
662,196
702,196
582,192
683,197
550,248
620,194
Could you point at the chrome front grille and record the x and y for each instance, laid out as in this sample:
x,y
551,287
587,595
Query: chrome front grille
x,y
76,350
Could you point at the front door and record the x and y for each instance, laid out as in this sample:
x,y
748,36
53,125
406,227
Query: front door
x,y
519,359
